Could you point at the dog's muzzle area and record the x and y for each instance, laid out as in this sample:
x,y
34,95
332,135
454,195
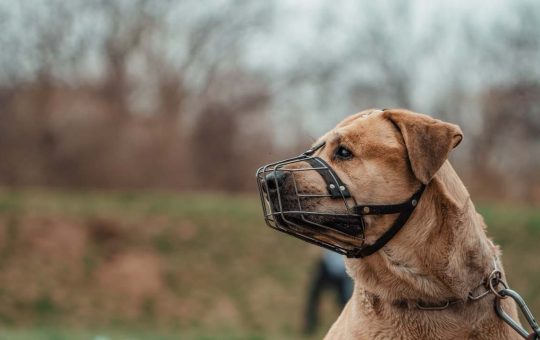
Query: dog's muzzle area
x,y
304,197
288,191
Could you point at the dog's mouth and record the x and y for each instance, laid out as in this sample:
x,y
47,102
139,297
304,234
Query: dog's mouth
x,y
307,220
316,209
305,212
323,228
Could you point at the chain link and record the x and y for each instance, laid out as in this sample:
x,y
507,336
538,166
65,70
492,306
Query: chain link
x,y
494,280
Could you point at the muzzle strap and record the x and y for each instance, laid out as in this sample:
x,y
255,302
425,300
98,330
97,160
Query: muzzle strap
x,y
405,211
390,208
336,188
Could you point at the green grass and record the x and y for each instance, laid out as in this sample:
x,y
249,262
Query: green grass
x,y
77,334
222,274
139,204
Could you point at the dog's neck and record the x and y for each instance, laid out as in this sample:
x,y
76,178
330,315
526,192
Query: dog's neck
x,y
441,253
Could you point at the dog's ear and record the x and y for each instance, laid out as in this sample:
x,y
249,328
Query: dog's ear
x,y
428,140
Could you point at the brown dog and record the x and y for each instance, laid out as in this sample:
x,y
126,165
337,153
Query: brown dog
x,y
418,286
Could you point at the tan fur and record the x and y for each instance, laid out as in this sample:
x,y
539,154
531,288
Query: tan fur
x,y
441,253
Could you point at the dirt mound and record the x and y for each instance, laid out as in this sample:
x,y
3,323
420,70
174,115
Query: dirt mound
x,y
134,275
53,238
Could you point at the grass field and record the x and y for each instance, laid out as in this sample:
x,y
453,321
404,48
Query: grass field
x,y
123,265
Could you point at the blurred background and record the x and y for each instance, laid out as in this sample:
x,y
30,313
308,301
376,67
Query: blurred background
x,y
130,132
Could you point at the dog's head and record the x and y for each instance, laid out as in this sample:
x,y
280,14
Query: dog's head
x,y
382,157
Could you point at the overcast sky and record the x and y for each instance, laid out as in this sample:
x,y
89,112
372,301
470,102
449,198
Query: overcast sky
x,y
466,53
463,49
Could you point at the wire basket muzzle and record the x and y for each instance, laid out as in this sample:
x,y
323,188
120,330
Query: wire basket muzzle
x,y
326,218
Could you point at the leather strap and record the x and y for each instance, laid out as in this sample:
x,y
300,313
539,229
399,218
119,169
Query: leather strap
x,y
383,209
336,188
406,208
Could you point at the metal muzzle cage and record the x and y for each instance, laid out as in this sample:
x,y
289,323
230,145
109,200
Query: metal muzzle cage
x,y
340,229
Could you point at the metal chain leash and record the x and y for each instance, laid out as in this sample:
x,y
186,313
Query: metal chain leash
x,y
494,280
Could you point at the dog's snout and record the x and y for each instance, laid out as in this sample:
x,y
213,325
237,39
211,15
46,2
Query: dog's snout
x,y
275,179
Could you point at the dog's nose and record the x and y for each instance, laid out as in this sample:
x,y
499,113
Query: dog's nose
x,y
275,179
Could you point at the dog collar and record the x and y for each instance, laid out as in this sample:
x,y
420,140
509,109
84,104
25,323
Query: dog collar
x,y
477,293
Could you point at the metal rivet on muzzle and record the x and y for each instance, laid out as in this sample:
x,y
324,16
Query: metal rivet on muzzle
x,y
332,186
366,210
342,188
414,202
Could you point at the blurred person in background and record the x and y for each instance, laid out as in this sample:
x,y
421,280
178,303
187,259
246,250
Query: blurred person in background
x,y
329,274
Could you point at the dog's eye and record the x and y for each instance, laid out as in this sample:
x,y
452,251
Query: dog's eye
x,y
343,153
